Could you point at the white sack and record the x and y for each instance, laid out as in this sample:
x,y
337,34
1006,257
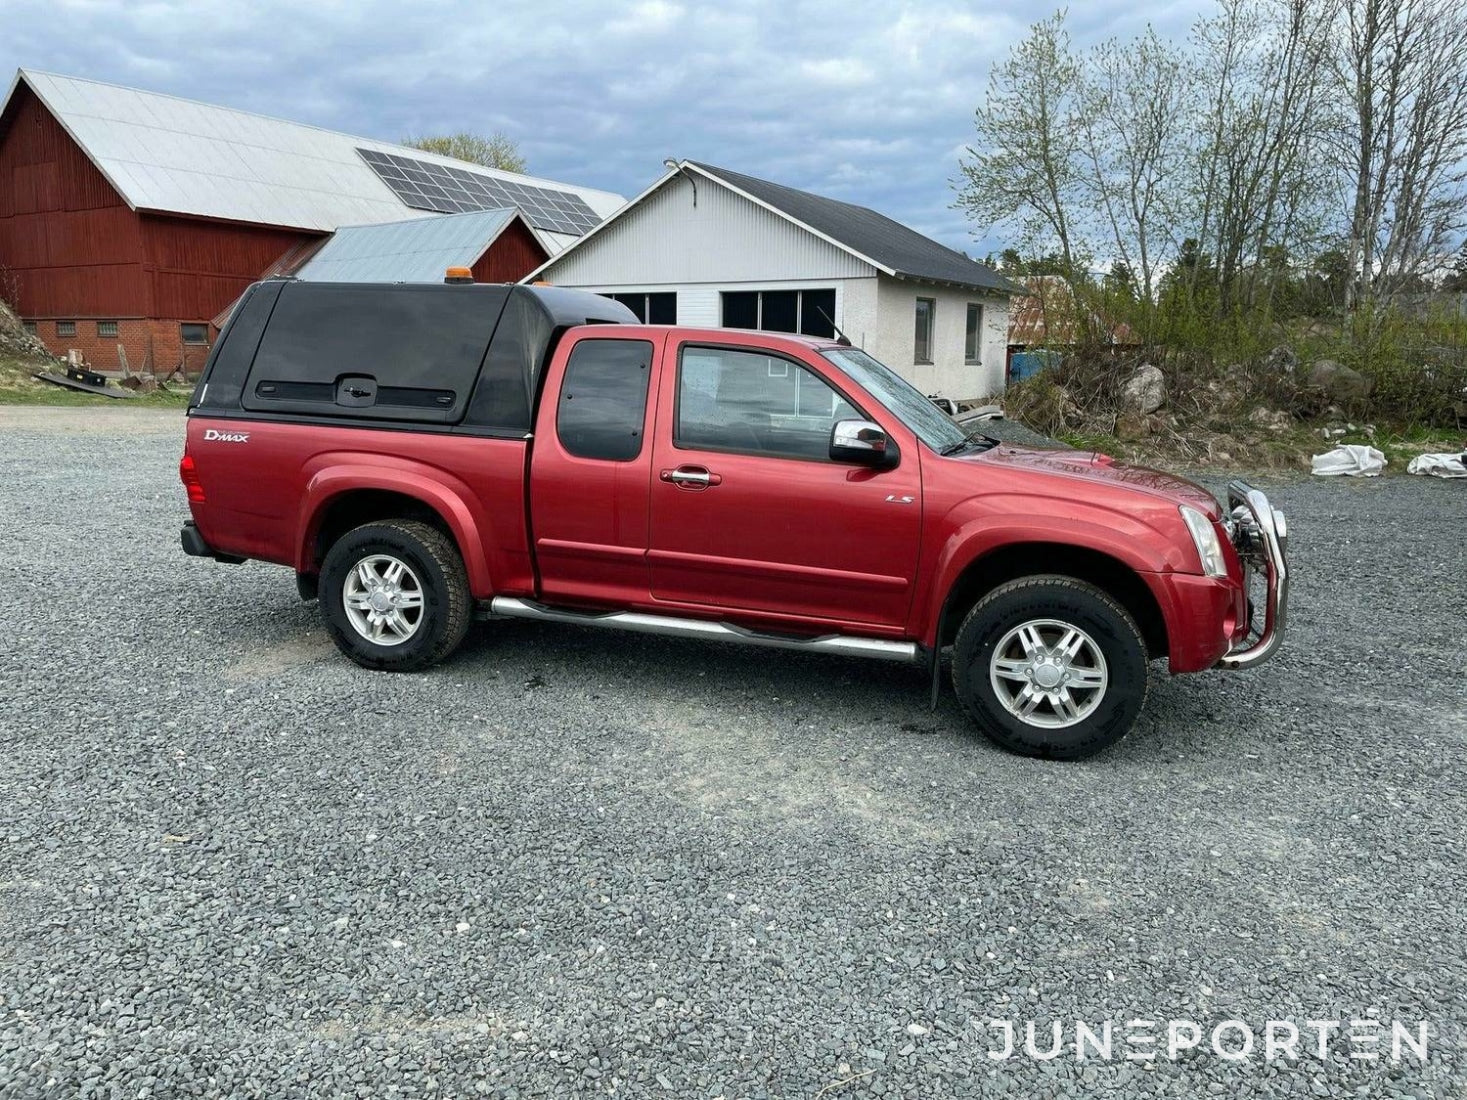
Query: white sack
x,y
1438,465
1350,460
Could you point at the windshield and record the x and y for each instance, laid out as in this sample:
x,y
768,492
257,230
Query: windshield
x,y
931,425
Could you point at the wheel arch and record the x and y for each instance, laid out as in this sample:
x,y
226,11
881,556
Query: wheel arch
x,y
1011,561
338,501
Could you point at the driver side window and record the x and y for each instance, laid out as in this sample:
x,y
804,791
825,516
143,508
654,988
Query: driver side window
x,y
733,400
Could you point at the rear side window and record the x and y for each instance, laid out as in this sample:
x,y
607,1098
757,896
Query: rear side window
x,y
396,353
603,400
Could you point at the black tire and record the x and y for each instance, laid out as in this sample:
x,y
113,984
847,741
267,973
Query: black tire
x,y
438,568
1074,603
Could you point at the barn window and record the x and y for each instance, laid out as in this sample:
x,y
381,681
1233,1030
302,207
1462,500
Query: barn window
x,y
808,312
972,344
651,309
194,334
106,328
29,326
926,311
65,328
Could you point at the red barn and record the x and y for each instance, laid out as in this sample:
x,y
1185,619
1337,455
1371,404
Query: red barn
x,y
132,219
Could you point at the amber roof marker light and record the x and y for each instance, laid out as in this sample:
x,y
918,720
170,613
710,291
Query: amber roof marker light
x,y
458,275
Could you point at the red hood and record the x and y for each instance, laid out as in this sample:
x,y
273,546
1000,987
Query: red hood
x,y
1094,466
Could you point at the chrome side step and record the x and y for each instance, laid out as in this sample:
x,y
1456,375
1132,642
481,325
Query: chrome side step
x,y
844,645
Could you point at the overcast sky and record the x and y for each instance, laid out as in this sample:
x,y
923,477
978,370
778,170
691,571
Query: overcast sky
x,y
862,100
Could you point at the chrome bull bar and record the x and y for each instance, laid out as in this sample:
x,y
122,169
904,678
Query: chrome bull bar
x,y
1260,535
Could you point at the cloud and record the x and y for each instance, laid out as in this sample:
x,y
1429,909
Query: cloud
x,y
863,100
839,72
647,18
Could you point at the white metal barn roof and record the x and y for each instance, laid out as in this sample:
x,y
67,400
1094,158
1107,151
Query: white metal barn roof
x,y
174,155
413,251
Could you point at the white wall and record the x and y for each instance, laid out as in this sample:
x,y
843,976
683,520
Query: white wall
x,y
878,314
727,242
725,237
895,338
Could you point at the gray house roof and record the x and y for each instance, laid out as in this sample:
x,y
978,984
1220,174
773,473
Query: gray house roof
x,y
415,251
875,237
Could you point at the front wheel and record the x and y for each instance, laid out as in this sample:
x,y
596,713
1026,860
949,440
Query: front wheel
x,y
1051,666
395,595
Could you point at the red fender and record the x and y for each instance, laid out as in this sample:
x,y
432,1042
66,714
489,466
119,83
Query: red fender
x,y
330,475
1123,537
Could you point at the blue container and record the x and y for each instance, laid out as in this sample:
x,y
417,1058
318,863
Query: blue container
x,y
1026,364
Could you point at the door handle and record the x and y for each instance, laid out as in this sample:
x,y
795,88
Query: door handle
x,y
691,477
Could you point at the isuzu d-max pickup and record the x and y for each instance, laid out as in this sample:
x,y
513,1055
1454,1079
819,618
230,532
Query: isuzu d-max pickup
x,y
425,455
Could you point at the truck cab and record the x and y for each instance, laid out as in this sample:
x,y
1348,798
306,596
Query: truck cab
x,y
425,455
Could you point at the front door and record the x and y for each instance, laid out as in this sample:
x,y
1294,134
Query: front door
x,y
749,513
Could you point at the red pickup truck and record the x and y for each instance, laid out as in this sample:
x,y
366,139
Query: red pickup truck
x,y
425,455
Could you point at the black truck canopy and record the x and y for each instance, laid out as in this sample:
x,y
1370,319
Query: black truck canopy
x,y
427,353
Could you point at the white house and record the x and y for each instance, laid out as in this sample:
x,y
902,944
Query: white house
x,y
705,246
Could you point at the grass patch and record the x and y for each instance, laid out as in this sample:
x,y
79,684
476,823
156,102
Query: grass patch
x,y
18,387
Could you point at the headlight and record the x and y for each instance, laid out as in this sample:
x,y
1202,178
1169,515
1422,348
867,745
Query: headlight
x,y
1204,537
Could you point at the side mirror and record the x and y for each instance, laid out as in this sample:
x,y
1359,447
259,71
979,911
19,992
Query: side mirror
x,y
861,442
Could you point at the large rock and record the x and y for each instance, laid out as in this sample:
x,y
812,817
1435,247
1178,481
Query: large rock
x,y
1145,391
1338,382
1134,425
1273,420
1281,360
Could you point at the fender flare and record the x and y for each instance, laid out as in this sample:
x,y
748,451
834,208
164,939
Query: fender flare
x,y
449,497
984,535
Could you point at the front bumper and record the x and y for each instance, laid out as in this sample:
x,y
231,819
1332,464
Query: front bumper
x,y
1260,535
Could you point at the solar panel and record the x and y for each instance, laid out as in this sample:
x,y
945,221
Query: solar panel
x,y
426,185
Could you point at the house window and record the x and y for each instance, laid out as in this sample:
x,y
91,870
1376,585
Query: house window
x,y
651,309
65,328
106,328
972,339
926,313
29,326
194,334
807,312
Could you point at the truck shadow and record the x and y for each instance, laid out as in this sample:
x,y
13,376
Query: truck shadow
x,y
816,688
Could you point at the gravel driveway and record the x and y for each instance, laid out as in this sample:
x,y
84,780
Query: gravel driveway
x,y
233,864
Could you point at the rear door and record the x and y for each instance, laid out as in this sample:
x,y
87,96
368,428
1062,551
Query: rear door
x,y
748,511
590,470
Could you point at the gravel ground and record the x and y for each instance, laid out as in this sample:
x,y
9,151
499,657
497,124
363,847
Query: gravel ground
x,y
571,862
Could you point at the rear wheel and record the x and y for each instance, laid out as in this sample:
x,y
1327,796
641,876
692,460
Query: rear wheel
x,y
395,595
1051,666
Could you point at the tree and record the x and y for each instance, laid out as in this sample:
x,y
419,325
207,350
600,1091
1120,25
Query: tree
x,y
1120,281
1456,280
1024,169
495,151
1133,99
1258,181
1403,137
1326,283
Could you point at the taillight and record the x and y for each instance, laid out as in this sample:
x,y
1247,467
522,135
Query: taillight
x,y
190,478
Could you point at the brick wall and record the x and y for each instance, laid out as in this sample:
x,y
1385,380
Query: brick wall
x,y
155,346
